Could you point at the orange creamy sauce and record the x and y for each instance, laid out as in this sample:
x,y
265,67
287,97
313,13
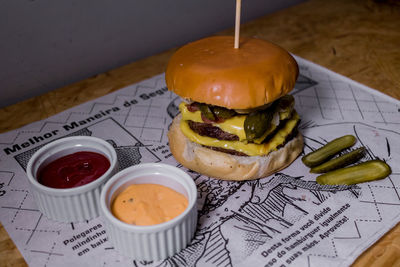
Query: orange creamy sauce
x,y
148,204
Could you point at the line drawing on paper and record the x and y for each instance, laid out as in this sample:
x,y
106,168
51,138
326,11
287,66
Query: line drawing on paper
x,y
255,216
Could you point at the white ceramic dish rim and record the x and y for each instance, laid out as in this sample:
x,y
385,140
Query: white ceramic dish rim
x,y
67,143
188,184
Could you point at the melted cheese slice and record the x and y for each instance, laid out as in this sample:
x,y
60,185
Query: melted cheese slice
x,y
250,149
234,125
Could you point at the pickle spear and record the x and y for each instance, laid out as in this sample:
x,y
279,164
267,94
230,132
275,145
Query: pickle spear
x,y
339,162
207,112
360,173
329,150
223,113
256,124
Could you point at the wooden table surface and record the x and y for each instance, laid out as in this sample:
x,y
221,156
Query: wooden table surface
x,y
359,39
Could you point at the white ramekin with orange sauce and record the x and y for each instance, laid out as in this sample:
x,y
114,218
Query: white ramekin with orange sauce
x,y
150,242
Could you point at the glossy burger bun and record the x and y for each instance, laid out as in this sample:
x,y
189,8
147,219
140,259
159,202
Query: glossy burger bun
x,y
226,166
212,71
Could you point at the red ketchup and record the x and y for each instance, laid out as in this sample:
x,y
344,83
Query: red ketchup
x,y
74,170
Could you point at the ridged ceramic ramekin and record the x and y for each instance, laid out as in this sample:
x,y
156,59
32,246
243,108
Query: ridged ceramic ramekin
x,y
72,204
154,242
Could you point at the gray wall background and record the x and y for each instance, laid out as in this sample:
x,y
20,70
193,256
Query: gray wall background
x,y
46,44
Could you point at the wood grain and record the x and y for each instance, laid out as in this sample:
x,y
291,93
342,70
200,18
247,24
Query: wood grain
x,y
9,254
359,39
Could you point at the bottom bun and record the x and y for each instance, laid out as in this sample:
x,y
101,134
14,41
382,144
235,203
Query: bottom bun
x,y
226,166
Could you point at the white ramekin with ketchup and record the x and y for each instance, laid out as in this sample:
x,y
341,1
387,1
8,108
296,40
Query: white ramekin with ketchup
x,y
67,175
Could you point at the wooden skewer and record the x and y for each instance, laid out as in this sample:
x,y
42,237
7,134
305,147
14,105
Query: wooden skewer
x,y
237,23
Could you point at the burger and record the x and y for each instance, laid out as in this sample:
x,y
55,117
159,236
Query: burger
x,y
236,120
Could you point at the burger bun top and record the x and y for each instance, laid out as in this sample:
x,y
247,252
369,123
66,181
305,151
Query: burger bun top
x,y
212,71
